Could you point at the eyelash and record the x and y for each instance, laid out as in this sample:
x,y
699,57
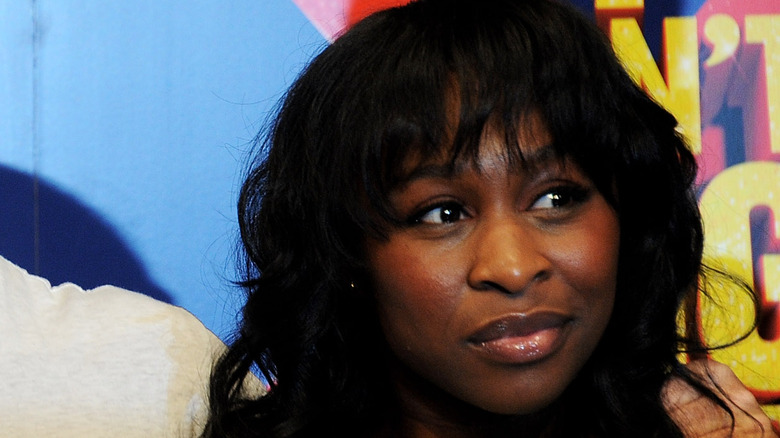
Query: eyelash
x,y
456,208
568,195
560,197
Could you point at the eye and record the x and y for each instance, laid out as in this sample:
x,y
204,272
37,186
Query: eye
x,y
560,197
446,213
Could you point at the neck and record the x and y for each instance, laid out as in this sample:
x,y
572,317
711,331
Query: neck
x,y
426,411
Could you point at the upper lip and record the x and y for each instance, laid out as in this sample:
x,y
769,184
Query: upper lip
x,y
517,325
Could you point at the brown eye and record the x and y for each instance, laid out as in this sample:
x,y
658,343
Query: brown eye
x,y
560,197
440,214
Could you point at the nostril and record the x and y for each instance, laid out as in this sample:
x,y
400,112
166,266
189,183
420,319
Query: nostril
x,y
495,286
513,287
541,276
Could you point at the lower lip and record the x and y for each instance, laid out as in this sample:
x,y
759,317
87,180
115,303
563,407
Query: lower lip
x,y
522,350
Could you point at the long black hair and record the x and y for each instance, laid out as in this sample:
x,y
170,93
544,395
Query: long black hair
x,y
384,90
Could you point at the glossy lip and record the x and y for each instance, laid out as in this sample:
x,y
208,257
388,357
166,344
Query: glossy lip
x,y
520,339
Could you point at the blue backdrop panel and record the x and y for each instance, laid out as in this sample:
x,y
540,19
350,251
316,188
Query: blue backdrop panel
x,y
123,136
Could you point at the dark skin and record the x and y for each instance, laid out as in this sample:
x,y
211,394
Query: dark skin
x,y
496,292
531,254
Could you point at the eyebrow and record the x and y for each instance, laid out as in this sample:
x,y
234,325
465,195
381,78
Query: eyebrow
x,y
530,160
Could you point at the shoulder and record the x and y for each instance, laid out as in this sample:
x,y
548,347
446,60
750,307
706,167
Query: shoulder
x,y
98,363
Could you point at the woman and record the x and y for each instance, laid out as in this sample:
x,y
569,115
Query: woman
x,y
469,222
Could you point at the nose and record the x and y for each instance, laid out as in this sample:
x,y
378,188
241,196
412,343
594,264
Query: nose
x,y
508,257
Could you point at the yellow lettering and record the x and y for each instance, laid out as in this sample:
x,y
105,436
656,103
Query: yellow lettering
x,y
619,4
722,32
606,10
726,205
679,94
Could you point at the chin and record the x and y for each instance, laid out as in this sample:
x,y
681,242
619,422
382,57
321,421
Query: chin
x,y
521,407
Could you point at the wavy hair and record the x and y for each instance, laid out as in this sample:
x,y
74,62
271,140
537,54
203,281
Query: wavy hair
x,y
325,166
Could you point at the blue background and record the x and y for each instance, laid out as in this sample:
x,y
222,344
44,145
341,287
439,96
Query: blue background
x,y
124,131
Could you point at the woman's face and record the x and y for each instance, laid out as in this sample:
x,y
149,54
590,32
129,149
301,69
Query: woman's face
x,y
501,283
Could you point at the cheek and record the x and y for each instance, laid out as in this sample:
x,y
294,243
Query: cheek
x,y
591,263
411,290
417,295
588,262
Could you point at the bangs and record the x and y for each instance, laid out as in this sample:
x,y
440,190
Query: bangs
x,y
448,70
425,81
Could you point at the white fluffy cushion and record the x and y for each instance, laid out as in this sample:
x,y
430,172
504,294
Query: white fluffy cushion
x,y
101,363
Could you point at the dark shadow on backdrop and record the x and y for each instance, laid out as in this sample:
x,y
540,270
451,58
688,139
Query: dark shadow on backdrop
x,y
75,244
